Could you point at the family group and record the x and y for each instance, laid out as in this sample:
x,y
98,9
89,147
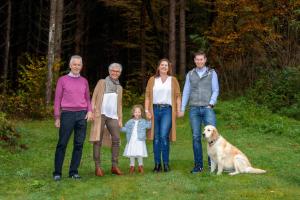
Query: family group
x,y
163,104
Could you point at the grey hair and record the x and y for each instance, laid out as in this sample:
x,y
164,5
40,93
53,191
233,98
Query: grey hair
x,y
75,57
112,65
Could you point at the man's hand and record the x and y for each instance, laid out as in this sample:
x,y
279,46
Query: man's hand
x,y
57,123
180,114
89,116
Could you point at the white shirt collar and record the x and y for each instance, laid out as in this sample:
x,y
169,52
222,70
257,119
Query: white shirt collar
x,y
73,75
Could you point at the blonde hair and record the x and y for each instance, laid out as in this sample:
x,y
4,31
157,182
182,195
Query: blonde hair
x,y
141,109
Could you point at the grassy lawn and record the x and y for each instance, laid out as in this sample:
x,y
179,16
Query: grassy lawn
x,y
270,141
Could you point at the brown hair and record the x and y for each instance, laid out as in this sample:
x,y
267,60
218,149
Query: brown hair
x,y
200,53
140,107
169,67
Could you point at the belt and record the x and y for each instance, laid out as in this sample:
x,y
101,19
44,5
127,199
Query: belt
x,y
162,105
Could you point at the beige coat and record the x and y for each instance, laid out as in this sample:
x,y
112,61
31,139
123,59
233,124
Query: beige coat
x,y
96,109
175,94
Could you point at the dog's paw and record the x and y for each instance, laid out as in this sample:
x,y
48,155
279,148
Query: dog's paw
x,y
233,173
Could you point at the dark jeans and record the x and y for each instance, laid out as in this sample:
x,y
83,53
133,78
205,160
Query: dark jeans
x,y
69,121
200,115
162,127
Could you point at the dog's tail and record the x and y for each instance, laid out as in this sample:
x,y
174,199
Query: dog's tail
x,y
253,170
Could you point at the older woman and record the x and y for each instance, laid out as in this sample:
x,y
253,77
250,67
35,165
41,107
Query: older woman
x,y
162,104
107,110
72,108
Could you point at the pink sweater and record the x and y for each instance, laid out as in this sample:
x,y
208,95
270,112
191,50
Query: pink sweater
x,y
71,94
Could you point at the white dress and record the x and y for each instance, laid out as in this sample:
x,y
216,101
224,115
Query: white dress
x,y
135,147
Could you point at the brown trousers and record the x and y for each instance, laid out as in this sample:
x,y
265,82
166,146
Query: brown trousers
x,y
114,130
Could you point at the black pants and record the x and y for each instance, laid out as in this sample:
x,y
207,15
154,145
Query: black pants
x,y
69,121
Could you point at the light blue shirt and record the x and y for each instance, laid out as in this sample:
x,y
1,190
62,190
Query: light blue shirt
x,y
187,88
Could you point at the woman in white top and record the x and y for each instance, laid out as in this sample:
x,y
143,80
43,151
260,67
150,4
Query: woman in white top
x,y
162,105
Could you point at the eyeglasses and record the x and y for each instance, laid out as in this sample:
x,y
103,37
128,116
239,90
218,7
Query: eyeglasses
x,y
116,71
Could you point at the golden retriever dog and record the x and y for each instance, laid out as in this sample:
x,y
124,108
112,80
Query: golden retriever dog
x,y
225,156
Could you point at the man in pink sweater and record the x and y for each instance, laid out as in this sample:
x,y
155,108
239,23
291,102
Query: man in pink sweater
x,y
72,110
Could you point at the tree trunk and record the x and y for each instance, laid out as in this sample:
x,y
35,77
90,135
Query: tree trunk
x,y
28,22
7,45
79,27
142,42
51,51
172,36
58,28
182,62
39,33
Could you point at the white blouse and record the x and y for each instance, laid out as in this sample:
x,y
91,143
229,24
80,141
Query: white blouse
x,y
162,91
110,105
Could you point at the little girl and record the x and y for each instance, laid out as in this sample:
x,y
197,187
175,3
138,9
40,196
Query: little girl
x,y
135,130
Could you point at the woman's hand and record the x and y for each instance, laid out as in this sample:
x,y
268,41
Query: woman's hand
x,y
180,114
120,123
148,115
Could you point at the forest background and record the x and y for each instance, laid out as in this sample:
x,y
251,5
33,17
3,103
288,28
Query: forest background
x,y
253,45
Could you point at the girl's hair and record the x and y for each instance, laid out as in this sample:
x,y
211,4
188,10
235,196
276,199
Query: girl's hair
x,y
140,107
169,67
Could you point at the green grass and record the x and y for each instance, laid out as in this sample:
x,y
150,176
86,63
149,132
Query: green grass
x,y
270,141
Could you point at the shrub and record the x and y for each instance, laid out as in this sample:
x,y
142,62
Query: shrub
x,y
130,98
9,136
29,98
278,90
241,114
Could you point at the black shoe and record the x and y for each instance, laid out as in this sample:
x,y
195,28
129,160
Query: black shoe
x,y
157,168
75,176
166,168
196,169
57,177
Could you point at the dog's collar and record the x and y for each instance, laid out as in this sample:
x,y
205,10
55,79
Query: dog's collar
x,y
211,143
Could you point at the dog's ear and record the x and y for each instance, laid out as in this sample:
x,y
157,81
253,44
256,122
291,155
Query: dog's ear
x,y
214,134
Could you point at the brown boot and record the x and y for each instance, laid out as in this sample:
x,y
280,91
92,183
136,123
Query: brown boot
x,y
141,169
99,171
131,170
116,170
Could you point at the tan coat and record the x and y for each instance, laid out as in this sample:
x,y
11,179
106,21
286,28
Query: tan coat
x,y
96,109
175,93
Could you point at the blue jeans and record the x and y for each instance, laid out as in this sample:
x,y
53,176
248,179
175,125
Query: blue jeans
x,y
200,115
162,127
69,121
